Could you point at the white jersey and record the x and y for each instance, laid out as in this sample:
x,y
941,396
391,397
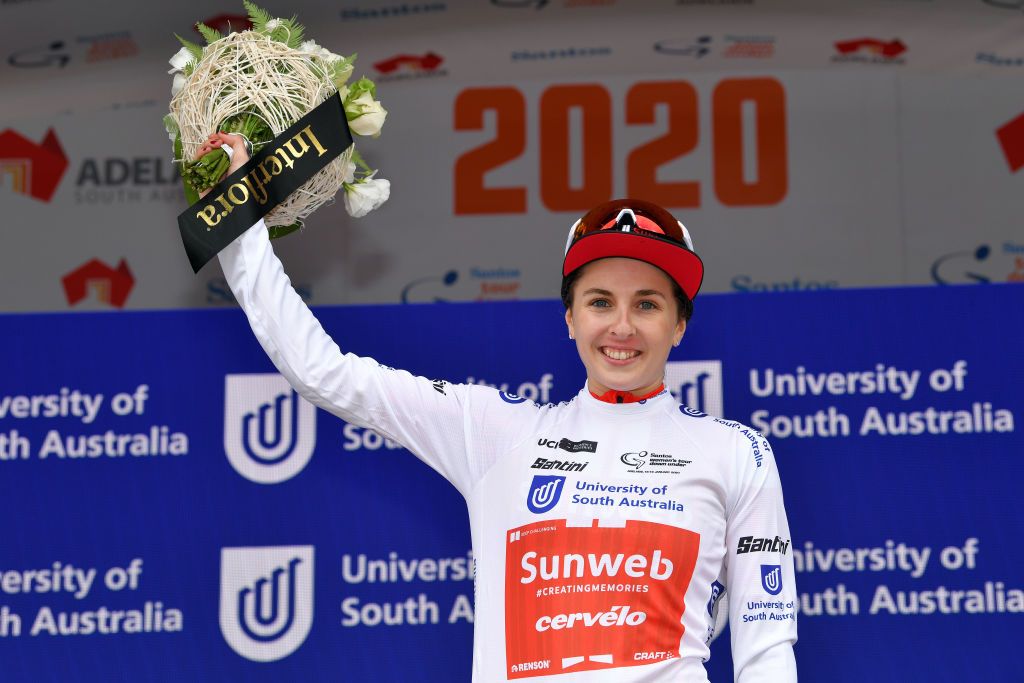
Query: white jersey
x,y
603,534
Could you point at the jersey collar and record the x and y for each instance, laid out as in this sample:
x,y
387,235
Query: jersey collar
x,y
640,405
613,396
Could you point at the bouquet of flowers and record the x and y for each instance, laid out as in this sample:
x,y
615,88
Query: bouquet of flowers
x,y
257,83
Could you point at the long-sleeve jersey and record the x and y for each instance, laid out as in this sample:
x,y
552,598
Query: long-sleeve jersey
x,y
603,533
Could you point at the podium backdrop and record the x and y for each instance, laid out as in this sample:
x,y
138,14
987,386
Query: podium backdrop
x,y
173,512
843,143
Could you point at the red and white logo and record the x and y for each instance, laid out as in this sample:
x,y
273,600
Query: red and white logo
x,y
885,49
592,598
33,169
413,63
111,285
1011,139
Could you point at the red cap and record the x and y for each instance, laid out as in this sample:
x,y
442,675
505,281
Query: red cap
x,y
630,228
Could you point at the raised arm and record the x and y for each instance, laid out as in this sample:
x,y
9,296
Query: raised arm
x,y
429,418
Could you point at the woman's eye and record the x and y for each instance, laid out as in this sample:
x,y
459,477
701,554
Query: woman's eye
x,y
600,303
648,305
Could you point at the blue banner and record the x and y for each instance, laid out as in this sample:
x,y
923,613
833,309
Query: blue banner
x,y
173,511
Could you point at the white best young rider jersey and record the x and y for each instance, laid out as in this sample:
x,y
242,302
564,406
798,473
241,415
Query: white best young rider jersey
x,y
603,534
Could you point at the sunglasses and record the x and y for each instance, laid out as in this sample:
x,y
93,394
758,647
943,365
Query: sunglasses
x,y
631,215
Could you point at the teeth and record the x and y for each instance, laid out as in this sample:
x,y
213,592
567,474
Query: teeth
x,y
615,354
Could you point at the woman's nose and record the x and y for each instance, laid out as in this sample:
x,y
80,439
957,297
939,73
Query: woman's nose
x,y
622,326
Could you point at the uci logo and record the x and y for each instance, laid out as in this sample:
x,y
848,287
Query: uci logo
x,y
266,600
697,384
544,493
269,432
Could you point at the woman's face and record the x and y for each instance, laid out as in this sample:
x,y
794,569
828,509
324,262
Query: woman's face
x,y
625,321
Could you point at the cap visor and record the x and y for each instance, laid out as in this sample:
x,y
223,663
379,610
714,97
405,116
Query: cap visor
x,y
682,265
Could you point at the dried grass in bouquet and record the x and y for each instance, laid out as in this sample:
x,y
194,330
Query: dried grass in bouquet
x,y
257,83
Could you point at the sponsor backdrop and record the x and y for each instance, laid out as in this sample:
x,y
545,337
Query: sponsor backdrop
x,y
175,512
837,144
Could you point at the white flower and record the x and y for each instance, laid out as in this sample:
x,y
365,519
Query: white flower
x,y
349,172
180,59
362,198
317,50
178,84
341,75
370,117
273,24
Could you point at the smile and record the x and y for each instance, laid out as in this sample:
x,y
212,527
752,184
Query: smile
x,y
619,354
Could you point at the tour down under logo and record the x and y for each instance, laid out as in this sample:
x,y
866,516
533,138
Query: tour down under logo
x,y
269,431
266,599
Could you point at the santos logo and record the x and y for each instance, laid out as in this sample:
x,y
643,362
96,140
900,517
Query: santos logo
x,y
269,432
266,599
697,384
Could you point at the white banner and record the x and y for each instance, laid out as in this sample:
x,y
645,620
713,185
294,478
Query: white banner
x,y
861,144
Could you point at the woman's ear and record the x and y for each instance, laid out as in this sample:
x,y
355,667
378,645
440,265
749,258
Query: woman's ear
x,y
680,331
568,322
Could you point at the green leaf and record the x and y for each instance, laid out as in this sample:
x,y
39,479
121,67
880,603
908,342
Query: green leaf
x,y
195,50
191,196
295,31
289,32
170,125
258,17
212,35
358,160
278,231
363,85
341,71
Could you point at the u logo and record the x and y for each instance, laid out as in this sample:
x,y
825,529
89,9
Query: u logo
x,y
544,493
269,431
697,384
266,600
262,622
771,578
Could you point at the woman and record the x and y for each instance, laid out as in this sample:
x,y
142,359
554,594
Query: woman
x,y
605,528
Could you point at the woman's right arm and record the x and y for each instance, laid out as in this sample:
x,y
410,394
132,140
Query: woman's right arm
x,y
440,423
430,418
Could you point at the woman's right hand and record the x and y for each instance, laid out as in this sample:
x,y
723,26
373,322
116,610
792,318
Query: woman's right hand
x,y
239,153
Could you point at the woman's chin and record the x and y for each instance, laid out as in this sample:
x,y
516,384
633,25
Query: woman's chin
x,y
632,385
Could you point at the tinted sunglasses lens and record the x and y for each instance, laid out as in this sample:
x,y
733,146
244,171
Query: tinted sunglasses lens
x,y
649,217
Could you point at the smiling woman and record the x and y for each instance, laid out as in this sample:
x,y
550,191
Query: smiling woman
x,y
624,333
628,282
642,563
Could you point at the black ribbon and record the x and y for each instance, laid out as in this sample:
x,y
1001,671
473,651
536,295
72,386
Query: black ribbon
x,y
266,180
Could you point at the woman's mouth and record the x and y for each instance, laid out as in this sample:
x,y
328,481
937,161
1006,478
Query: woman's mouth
x,y
619,354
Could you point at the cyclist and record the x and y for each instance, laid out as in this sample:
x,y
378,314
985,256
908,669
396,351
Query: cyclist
x,y
604,528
